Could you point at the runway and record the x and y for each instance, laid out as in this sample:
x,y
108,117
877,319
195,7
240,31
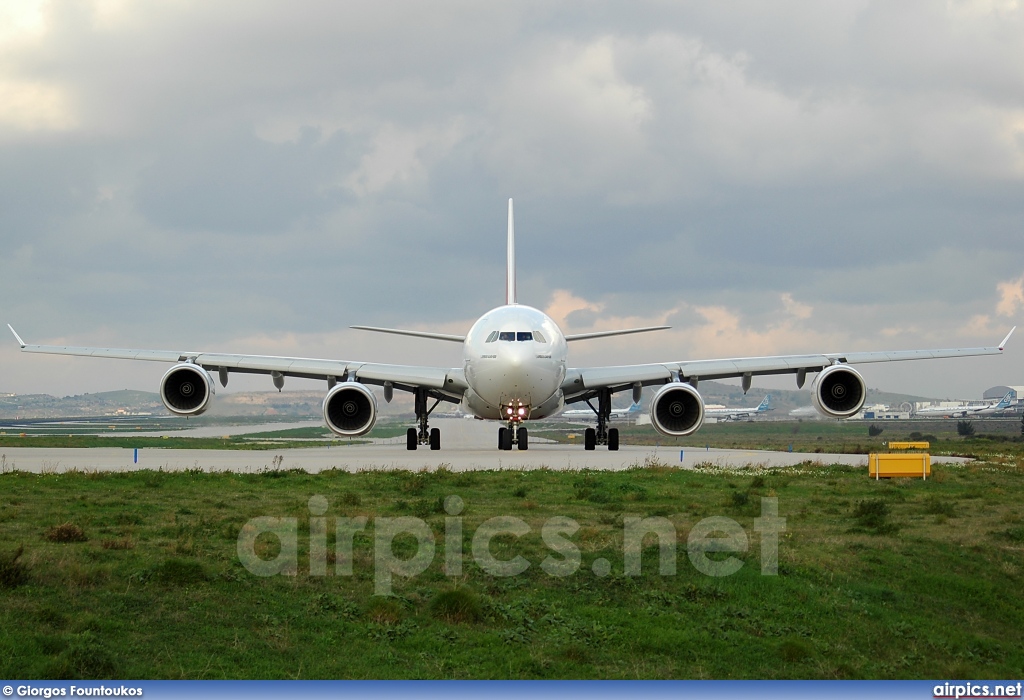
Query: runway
x,y
466,445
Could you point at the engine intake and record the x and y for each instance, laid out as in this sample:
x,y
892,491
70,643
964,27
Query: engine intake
x,y
677,410
350,409
186,389
839,391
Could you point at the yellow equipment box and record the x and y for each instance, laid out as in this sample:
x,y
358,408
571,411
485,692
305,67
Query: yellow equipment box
x,y
924,445
899,465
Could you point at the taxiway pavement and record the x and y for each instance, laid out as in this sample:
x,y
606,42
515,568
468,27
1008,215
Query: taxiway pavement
x,y
466,445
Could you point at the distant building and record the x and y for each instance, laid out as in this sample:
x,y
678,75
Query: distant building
x,y
998,392
882,412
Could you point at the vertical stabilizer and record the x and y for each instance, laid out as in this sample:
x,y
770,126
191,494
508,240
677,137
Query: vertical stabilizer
x,y
510,274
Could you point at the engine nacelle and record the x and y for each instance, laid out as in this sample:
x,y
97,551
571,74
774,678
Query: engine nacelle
x,y
839,391
350,409
677,410
186,389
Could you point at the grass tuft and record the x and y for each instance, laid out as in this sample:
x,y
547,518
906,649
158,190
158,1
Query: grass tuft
x,y
795,650
350,498
13,572
384,611
85,658
179,572
939,506
66,532
457,605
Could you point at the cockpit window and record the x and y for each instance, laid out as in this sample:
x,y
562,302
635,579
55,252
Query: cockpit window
x,y
538,337
492,337
507,335
524,335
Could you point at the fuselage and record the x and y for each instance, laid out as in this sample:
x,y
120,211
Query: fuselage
x,y
514,358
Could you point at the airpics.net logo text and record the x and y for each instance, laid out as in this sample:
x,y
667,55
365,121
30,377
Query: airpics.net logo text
x,y
711,544
960,691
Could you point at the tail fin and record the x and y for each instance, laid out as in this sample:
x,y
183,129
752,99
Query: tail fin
x,y
1006,400
510,275
766,403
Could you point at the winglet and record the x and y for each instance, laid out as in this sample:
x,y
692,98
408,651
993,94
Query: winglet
x,y
510,279
1001,345
17,337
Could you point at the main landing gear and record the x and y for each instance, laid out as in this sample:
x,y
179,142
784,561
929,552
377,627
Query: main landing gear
x,y
513,435
602,435
425,435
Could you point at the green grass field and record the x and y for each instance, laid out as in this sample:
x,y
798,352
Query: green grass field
x,y
136,575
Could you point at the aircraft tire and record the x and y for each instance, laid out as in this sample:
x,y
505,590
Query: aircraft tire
x,y
613,439
524,439
410,439
589,439
435,439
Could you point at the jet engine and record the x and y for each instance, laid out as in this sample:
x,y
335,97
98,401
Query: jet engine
x,y
186,389
677,409
839,391
350,409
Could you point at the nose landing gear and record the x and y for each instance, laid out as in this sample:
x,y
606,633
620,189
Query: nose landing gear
x,y
515,434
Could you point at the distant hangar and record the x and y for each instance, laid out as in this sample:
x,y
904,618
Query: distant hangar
x,y
998,392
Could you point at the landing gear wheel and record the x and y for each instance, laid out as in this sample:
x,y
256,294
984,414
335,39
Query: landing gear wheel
x,y
501,438
410,439
504,439
523,439
613,439
589,439
435,439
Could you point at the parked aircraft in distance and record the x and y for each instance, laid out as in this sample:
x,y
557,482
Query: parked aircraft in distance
x,y
515,369
737,413
590,414
963,411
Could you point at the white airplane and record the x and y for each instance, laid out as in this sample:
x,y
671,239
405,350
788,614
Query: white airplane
x,y
589,414
964,411
737,413
515,368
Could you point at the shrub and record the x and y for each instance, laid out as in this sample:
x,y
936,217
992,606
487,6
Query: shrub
x,y
66,532
875,430
964,428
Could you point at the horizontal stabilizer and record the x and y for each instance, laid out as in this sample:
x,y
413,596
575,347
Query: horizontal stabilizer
x,y
416,334
605,334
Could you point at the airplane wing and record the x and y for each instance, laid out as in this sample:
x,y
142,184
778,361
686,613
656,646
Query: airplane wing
x,y
451,383
583,383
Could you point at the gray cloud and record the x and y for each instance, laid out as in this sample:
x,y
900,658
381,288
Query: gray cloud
x,y
202,175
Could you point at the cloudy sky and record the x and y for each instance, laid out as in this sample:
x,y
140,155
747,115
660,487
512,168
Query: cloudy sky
x,y
248,176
